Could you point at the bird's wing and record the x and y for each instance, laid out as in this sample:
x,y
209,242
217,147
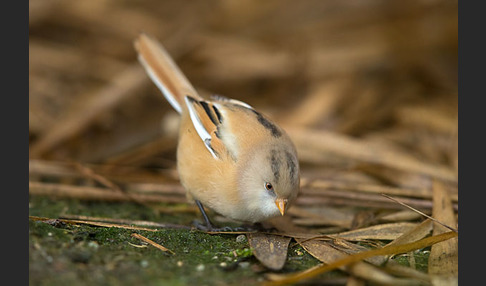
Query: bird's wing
x,y
220,98
177,89
207,120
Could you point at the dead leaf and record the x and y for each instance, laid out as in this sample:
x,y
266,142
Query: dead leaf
x,y
387,250
270,250
403,215
416,233
387,231
328,254
352,248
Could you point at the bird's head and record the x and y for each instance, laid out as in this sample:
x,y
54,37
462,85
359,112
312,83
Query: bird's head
x,y
270,178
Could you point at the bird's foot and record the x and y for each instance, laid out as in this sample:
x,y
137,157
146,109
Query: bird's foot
x,y
211,228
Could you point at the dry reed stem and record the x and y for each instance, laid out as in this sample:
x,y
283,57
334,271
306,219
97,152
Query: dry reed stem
x,y
387,250
97,194
414,234
376,189
122,221
339,197
362,151
328,254
443,259
421,213
118,173
93,223
154,244
384,109
61,58
124,86
386,231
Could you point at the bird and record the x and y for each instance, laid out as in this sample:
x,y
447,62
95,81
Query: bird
x,y
231,158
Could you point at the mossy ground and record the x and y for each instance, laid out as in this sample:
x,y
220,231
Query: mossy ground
x,y
64,254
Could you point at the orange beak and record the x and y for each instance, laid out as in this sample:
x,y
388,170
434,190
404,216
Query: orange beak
x,y
281,204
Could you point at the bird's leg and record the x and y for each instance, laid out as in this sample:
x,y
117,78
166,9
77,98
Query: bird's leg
x,y
210,226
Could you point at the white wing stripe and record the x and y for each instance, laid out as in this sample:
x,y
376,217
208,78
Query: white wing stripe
x,y
201,131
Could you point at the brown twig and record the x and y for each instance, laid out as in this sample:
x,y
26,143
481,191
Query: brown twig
x,y
136,235
93,223
421,213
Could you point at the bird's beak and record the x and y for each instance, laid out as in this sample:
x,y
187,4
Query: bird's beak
x,y
281,204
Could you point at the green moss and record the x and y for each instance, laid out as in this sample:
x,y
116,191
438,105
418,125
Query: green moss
x,y
63,254
44,206
421,259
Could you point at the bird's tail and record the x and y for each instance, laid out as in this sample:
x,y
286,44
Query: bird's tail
x,y
164,72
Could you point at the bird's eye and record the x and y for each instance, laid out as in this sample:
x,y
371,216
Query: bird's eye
x,y
268,186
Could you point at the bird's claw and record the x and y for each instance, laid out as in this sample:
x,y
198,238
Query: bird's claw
x,y
211,228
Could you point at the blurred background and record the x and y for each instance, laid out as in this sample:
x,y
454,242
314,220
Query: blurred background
x,y
367,90
375,69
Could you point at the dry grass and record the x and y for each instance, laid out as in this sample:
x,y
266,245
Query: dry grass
x,y
366,89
